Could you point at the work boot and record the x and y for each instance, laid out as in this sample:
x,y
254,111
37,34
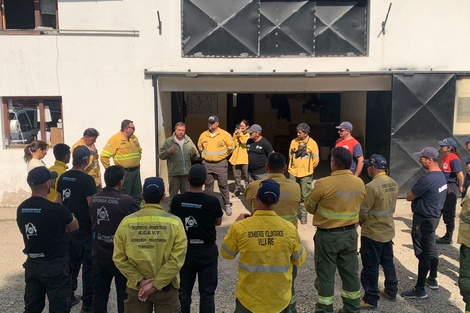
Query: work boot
x,y
445,240
384,294
365,305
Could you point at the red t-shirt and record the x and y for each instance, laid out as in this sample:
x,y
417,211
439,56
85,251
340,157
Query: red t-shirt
x,y
354,147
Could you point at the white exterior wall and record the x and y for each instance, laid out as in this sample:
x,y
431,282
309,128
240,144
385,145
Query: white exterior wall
x,y
101,80
420,35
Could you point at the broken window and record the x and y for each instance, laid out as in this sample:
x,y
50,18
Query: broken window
x,y
28,14
26,119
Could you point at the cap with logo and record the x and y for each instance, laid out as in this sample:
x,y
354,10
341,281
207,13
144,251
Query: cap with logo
x,y
269,191
254,128
81,152
428,152
213,119
197,175
345,125
448,142
153,186
39,175
377,161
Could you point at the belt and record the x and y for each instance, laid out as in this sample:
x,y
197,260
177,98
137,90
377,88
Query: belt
x,y
214,161
132,169
337,229
199,243
56,260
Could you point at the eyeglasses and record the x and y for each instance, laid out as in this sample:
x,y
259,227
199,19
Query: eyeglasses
x,y
342,130
133,128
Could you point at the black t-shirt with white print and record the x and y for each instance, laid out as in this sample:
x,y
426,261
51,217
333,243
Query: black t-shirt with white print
x,y
42,224
198,211
75,186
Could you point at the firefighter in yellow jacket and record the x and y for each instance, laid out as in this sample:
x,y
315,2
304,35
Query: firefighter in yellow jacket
x,y
269,246
93,169
303,159
288,201
62,157
464,240
125,149
377,233
149,250
239,158
215,145
335,203
290,191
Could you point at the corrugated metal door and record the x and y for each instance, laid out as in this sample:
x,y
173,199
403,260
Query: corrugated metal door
x,y
422,113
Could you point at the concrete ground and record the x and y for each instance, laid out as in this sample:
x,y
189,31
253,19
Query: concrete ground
x,y
446,299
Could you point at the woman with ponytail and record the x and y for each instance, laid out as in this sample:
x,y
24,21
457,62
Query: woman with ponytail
x,y
34,153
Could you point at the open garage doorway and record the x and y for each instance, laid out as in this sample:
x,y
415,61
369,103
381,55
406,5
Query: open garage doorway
x,y
278,114
393,114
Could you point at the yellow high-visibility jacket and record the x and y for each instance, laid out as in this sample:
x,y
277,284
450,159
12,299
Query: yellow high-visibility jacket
x,y
288,202
268,247
125,152
376,216
60,168
335,200
240,154
93,169
150,243
464,226
303,165
215,148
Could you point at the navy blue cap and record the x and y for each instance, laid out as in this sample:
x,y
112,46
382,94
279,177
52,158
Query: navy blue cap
x,y
81,152
153,186
377,161
39,175
345,125
448,142
269,191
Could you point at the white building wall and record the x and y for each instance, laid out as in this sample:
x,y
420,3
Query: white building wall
x,y
420,36
101,76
